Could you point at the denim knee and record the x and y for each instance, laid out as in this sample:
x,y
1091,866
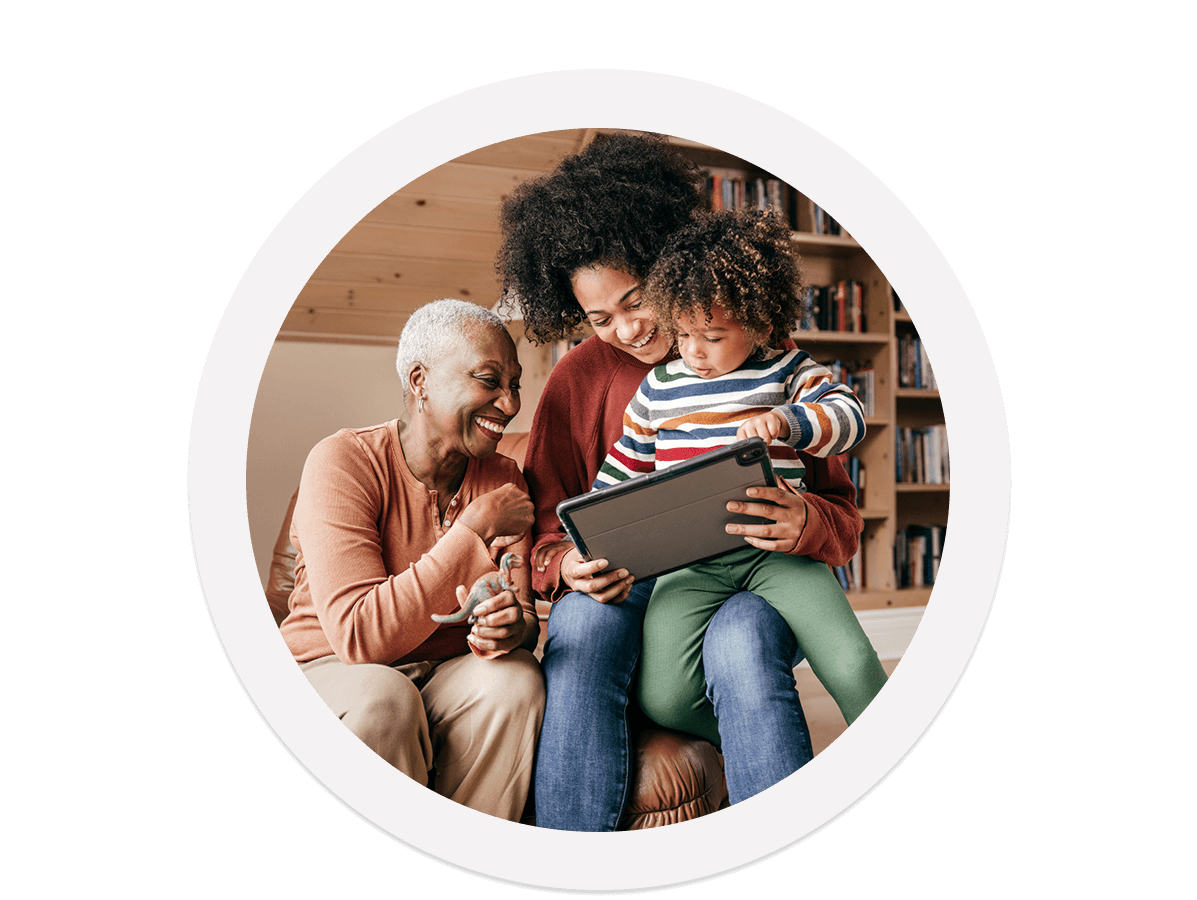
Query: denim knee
x,y
584,635
748,645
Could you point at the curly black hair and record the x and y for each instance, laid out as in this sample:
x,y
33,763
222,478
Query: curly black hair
x,y
615,203
742,259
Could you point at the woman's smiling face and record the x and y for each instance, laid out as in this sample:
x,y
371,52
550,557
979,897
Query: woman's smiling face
x,y
474,392
610,298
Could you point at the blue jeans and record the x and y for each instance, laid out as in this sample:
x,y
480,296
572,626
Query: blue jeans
x,y
749,655
585,755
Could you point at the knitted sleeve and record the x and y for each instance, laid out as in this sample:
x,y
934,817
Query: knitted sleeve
x,y
635,453
825,418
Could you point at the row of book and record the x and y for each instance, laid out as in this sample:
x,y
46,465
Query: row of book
x,y
736,189
833,307
921,455
822,223
856,474
851,576
733,189
917,549
914,369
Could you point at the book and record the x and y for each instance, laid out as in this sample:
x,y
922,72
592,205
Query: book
x,y
728,188
851,575
834,307
822,223
917,552
856,474
921,455
914,367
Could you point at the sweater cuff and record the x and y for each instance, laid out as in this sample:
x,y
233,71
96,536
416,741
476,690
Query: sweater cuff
x,y
787,412
813,534
547,584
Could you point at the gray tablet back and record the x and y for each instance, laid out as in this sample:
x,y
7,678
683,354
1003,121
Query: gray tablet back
x,y
665,520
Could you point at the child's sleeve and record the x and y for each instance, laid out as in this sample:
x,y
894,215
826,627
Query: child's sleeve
x,y
636,451
825,417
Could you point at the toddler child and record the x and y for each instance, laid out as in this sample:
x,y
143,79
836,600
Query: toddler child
x,y
724,286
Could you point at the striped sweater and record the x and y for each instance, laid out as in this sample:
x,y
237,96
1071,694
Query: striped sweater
x,y
675,415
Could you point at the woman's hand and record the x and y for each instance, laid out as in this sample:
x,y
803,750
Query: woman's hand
x,y
786,509
589,578
496,515
499,623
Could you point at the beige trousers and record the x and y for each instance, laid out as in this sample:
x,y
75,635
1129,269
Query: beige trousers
x,y
474,721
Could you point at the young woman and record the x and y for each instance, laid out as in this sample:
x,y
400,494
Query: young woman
x,y
576,247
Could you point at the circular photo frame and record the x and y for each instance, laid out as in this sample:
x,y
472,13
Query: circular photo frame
x,y
972,407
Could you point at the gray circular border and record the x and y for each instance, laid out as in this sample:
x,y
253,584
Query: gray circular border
x,y
972,403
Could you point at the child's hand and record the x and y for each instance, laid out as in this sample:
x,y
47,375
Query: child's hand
x,y
545,552
768,427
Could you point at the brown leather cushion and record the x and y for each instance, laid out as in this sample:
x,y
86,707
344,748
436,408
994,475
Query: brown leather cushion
x,y
280,579
677,776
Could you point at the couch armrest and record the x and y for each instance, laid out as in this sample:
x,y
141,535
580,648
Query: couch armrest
x,y
280,579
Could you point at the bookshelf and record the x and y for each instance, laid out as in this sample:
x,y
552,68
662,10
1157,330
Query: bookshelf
x,y
905,421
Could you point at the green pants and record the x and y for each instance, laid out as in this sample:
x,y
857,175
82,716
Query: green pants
x,y
672,687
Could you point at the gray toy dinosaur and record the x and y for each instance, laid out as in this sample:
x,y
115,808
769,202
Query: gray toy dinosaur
x,y
487,586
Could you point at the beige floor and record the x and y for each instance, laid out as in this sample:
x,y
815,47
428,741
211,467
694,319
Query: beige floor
x,y
822,715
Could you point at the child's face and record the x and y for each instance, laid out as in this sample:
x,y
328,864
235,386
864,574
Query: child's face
x,y
712,348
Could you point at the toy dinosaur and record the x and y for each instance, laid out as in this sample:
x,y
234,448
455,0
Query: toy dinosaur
x,y
487,586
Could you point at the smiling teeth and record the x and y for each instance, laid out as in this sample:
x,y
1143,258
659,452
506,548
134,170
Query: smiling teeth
x,y
489,426
647,338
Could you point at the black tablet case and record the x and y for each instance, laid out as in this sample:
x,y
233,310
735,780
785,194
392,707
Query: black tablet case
x,y
661,521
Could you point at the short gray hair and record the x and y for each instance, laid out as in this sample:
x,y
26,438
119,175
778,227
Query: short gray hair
x,y
434,330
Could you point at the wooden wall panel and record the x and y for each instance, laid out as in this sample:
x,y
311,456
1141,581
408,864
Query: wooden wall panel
x,y
436,237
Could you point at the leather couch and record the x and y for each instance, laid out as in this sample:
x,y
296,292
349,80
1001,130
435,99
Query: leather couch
x,y
676,776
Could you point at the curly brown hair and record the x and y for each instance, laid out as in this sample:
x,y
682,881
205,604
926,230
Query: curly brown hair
x,y
742,259
615,203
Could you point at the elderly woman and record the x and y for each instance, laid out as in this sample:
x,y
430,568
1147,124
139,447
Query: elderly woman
x,y
392,525
577,245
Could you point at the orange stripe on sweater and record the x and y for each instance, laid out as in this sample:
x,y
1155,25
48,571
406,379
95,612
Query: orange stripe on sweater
x,y
824,428
712,418
631,425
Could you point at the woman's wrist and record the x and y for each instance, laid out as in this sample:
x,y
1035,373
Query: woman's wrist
x,y
564,565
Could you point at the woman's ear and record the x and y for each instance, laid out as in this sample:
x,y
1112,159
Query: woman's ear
x,y
417,379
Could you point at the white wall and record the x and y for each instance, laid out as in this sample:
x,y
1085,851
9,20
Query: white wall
x,y
308,391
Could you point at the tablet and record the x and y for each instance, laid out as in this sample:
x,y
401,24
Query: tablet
x,y
665,520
